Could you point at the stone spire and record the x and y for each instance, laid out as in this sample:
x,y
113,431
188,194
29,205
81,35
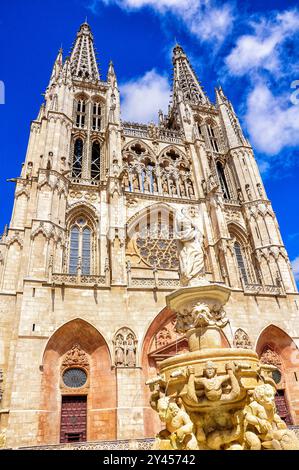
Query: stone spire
x,y
185,81
83,58
57,67
231,122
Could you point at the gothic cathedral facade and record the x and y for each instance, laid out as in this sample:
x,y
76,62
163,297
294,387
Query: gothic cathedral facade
x,y
90,254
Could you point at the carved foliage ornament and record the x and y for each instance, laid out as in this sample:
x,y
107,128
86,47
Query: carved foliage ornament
x,y
76,357
200,315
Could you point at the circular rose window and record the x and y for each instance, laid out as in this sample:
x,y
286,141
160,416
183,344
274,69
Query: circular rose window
x,y
74,378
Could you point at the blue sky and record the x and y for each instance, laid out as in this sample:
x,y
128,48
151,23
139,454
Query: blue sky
x,y
250,48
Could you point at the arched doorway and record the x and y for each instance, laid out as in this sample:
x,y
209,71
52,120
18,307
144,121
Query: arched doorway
x,y
277,348
78,392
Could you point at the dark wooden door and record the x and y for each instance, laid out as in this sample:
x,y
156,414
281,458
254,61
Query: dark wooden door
x,y
282,407
73,419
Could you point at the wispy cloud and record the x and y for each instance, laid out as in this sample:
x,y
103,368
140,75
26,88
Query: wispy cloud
x,y
272,121
263,48
142,97
209,20
295,266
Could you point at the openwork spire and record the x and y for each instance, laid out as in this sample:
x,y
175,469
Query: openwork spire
x,y
185,81
83,59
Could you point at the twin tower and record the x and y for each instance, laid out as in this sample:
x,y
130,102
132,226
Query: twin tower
x,y
90,254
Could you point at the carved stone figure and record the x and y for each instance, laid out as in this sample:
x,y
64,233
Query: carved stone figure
x,y
125,348
164,186
189,236
178,433
209,387
190,189
261,419
135,182
241,339
2,438
76,356
130,351
119,351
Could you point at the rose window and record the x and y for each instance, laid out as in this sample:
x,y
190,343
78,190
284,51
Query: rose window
x,y
161,253
74,378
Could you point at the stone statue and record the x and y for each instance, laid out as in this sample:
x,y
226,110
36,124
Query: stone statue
x,y
261,419
189,237
119,351
211,384
178,433
2,438
130,352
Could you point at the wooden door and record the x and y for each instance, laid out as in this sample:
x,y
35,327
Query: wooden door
x,y
282,407
73,419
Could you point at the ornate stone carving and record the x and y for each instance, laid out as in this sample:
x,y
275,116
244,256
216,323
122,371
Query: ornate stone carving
x,y
269,356
75,357
201,315
125,345
241,339
179,429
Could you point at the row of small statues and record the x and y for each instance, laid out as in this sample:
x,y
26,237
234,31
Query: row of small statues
x,y
125,351
149,184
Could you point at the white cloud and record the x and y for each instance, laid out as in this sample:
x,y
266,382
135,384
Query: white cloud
x,y
208,20
295,266
144,96
272,122
262,49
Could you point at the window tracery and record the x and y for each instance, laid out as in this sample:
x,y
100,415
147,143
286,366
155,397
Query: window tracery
x,y
168,175
81,246
95,167
77,158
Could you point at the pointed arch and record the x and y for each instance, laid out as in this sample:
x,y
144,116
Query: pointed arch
x,y
101,391
280,350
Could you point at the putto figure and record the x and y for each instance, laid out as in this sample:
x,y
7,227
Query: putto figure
x,y
189,235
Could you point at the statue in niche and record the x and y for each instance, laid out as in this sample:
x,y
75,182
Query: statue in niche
x,y
241,340
125,348
130,351
209,386
182,188
189,236
190,188
248,191
135,182
260,189
126,181
173,190
155,185
119,351
164,186
240,195
147,183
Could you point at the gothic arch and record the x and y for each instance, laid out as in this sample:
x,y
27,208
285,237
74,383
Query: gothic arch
x,y
149,150
138,216
236,230
82,208
173,148
101,394
277,340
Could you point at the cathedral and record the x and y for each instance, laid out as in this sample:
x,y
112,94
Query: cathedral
x,y
90,255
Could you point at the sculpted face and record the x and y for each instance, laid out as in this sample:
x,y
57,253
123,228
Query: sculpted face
x,y
210,372
192,211
265,395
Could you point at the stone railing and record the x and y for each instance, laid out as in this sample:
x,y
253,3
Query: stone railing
x,y
151,132
130,444
84,181
77,279
147,283
259,289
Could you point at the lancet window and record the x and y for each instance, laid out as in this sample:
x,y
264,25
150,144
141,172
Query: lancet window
x,y
95,167
80,246
81,113
77,158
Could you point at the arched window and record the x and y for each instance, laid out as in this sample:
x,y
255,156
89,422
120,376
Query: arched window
x,y
80,113
96,116
241,262
222,179
213,138
95,161
77,159
80,247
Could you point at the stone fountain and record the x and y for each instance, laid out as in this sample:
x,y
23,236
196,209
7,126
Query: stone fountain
x,y
212,397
